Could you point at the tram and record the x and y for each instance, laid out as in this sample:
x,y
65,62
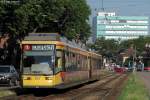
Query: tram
x,y
50,62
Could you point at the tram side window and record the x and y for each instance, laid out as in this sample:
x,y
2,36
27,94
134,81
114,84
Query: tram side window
x,y
97,64
59,61
74,60
88,63
100,63
79,62
67,60
70,62
84,63
92,63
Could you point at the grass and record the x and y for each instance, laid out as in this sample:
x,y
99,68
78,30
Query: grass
x,y
134,89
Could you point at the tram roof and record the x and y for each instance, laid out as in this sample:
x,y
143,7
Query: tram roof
x,y
42,37
56,37
52,37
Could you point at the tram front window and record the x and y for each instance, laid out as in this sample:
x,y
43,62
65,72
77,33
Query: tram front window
x,y
38,64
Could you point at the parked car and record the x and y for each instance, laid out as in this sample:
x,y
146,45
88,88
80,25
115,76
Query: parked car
x,y
130,69
8,75
147,68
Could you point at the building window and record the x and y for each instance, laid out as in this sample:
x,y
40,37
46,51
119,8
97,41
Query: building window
x,y
122,21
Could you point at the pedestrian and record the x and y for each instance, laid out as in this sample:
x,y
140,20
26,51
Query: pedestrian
x,y
134,66
142,66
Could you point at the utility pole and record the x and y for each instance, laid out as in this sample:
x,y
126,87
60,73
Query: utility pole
x,y
134,58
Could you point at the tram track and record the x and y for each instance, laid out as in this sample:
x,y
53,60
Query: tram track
x,y
95,91
98,90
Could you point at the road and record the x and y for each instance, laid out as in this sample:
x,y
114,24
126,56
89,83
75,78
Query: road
x,y
145,77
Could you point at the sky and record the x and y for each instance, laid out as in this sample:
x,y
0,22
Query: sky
x,y
121,7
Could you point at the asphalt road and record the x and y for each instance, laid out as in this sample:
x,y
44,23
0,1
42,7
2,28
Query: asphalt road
x,y
145,77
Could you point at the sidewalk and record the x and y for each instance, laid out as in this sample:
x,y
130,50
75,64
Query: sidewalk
x,y
145,77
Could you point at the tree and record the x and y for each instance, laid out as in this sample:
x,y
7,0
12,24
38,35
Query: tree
x,y
106,47
69,17
138,44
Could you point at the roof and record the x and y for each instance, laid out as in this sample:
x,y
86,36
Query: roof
x,y
42,37
53,38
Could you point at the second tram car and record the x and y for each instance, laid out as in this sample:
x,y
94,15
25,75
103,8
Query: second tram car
x,y
48,62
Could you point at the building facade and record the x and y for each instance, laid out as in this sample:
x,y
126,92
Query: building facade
x,y
110,26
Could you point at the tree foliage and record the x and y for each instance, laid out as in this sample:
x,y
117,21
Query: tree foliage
x,y
138,44
68,17
105,47
112,47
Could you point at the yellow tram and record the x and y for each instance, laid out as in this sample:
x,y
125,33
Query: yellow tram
x,y
50,62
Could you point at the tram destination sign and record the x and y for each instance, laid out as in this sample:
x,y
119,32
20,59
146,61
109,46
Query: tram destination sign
x,y
43,47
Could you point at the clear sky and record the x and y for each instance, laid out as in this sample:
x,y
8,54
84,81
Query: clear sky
x,y
122,7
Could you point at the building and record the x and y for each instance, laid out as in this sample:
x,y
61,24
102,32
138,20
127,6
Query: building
x,y
110,26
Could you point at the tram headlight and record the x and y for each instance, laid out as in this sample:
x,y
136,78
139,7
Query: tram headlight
x,y
26,78
47,78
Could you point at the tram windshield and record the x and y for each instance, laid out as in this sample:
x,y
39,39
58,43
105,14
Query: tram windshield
x,y
38,62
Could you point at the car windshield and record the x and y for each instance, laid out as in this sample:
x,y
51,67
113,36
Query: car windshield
x,y
4,69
